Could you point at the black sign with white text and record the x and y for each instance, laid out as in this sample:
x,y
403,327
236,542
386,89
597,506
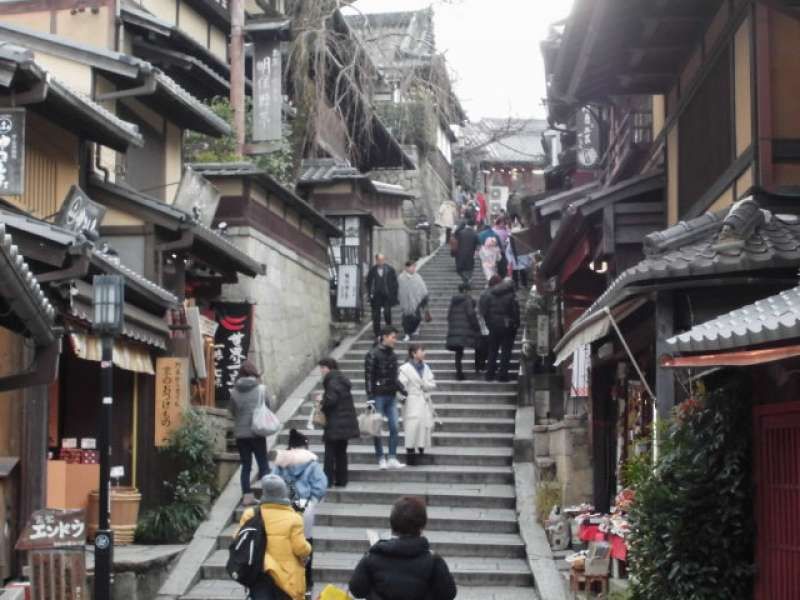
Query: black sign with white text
x,y
12,151
231,345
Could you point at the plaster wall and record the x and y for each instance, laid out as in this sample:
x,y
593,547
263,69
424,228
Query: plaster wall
x,y
292,310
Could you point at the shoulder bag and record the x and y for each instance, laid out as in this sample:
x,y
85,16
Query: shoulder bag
x,y
265,422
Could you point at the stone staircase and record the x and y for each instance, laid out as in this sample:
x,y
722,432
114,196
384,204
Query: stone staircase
x,y
466,478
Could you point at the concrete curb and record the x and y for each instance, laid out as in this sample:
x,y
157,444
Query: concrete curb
x,y
549,583
186,572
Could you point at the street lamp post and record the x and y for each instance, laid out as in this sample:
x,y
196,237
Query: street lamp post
x,y
107,302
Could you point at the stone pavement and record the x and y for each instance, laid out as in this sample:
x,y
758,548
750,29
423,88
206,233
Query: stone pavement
x,y
467,478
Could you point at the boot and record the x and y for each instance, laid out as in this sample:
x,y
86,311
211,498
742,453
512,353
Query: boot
x,y
460,376
411,458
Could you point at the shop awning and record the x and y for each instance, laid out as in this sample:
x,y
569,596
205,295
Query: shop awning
x,y
127,356
741,358
593,328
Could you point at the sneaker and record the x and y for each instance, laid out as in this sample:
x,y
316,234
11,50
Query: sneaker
x,y
406,338
395,464
382,463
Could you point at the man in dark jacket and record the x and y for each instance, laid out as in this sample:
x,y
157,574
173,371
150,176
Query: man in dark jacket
x,y
382,292
404,568
382,386
500,309
341,421
463,329
467,239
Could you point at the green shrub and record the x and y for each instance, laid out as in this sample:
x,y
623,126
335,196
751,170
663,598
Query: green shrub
x,y
191,450
692,529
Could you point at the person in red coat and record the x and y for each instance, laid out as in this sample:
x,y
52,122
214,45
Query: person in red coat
x,y
483,208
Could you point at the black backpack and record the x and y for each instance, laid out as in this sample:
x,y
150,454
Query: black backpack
x,y
246,552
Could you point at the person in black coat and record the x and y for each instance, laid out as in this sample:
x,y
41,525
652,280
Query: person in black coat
x,y
463,328
404,568
342,422
500,309
467,239
382,292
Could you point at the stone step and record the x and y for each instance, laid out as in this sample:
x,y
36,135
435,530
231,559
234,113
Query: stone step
x,y
448,424
354,539
225,589
447,455
447,406
469,388
440,438
355,361
431,355
337,566
446,372
440,518
431,473
435,494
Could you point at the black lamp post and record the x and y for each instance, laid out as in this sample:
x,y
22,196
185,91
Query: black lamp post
x,y
107,302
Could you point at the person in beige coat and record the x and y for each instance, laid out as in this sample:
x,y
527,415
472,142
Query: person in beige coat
x,y
418,412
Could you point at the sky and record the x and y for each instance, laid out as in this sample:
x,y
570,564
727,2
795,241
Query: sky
x,y
492,48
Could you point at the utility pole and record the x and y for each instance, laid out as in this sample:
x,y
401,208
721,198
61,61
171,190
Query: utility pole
x,y
237,72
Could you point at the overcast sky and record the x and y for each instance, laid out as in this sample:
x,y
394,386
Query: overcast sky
x,y
492,46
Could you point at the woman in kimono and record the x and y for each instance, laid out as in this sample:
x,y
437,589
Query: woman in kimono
x,y
418,413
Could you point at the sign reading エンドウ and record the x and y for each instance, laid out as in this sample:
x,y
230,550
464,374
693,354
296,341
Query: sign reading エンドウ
x,y
172,396
50,528
12,151
231,345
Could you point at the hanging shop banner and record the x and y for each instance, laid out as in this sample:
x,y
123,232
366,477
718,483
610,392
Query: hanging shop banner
x,y
197,196
542,335
79,213
172,396
352,230
231,345
581,365
12,151
347,291
267,92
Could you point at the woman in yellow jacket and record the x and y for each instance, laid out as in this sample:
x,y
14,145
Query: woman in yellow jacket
x,y
287,548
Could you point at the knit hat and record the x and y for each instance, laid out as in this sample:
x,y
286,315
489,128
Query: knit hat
x,y
274,490
297,439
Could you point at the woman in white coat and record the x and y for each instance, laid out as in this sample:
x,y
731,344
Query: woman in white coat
x,y
418,413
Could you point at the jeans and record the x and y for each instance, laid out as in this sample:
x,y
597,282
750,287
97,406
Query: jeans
x,y
265,589
501,341
336,462
387,406
466,277
247,448
377,304
520,278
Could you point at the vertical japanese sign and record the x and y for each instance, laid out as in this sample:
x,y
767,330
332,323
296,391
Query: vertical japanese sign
x,y
347,291
267,93
172,396
231,345
12,151
581,366
542,335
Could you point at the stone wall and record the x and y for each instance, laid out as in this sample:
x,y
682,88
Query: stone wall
x,y
395,243
292,312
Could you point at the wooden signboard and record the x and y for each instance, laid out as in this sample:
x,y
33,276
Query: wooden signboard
x,y
267,93
172,396
197,196
56,541
80,213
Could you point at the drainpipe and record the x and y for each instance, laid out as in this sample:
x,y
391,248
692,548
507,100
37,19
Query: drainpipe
x,y
146,89
98,165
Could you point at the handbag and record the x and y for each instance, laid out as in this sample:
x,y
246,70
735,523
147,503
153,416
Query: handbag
x,y
318,417
370,423
453,245
264,421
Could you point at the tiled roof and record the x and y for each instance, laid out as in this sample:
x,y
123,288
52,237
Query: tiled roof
x,y
246,169
559,201
23,293
396,39
328,170
773,319
747,238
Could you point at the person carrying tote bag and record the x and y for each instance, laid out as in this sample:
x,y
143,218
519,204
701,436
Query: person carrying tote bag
x,y
248,394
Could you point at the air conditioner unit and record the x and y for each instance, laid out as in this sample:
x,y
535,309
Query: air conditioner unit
x,y
498,197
